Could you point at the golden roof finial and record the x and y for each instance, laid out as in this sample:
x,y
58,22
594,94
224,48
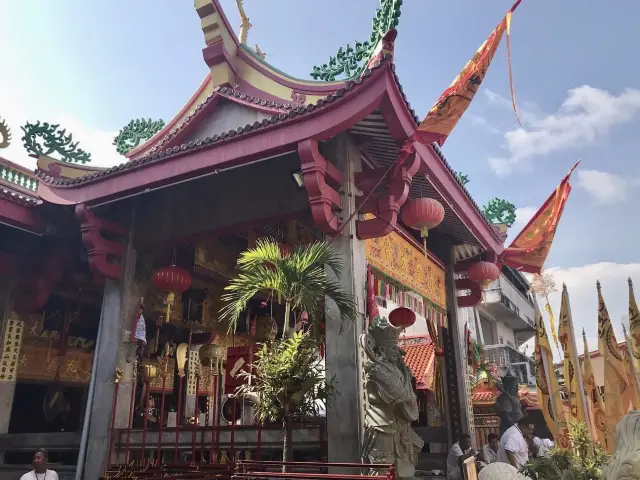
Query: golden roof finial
x,y
245,24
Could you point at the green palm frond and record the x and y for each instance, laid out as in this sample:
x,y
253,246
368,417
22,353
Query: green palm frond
x,y
300,278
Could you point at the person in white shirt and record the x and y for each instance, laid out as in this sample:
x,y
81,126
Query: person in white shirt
x,y
514,448
460,451
545,447
40,471
490,450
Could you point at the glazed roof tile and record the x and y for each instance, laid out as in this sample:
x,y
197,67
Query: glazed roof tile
x,y
484,394
225,92
419,358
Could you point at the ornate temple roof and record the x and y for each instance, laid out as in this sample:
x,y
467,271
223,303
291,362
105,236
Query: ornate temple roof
x,y
485,394
419,357
242,87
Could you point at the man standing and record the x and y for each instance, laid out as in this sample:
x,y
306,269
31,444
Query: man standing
x,y
514,448
40,471
460,451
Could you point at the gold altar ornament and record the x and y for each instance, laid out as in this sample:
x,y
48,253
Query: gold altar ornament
x,y
149,372
400,260
181,358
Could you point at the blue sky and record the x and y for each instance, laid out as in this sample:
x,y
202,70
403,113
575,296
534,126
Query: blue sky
x,y
95,65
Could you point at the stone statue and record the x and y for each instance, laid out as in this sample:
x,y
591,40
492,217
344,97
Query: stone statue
x,y
500,471
508,406
625,462
392,403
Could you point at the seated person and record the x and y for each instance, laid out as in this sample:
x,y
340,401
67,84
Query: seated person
x,y
460,451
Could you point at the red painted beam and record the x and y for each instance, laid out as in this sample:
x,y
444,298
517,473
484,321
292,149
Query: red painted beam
x,y
20,216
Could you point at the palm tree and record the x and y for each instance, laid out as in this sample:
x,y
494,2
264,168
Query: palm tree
x,y
287,381
298,278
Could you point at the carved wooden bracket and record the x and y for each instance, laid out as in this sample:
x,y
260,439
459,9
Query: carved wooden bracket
x,y
474,298
321,180
103,253
385,206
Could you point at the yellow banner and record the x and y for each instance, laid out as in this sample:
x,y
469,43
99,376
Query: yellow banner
x,y
634,327
616,388
593,394
571,363
547,385
396,257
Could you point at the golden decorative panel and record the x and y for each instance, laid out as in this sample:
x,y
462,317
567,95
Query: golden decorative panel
x,y
215,258
156,384
11,349
400,260
43,364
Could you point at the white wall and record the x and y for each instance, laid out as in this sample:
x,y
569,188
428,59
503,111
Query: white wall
x,y
418,328
506,333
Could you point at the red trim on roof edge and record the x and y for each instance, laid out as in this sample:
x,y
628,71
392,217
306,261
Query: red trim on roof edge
x,y
320,124
19,216
149,144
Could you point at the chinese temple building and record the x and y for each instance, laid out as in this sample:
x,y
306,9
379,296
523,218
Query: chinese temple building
x,y
112,348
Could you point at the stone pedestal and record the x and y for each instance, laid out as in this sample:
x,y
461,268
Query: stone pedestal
x,y
344,415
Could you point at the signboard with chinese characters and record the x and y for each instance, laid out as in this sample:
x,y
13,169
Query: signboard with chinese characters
x,y
400,260
43,363
11,344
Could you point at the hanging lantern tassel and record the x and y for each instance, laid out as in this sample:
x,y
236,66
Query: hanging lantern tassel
x,y
170,299
422,214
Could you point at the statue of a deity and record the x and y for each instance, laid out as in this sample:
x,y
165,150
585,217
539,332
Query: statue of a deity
x,y
508,406
625,462
392,402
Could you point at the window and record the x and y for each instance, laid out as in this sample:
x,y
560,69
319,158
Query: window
x,y
501,341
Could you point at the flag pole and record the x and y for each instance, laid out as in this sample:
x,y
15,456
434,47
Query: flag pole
x,y
572,339
630,356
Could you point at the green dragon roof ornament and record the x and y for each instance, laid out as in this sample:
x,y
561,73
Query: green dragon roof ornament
x,y
5,134
45,139
499,210
351,61
136,132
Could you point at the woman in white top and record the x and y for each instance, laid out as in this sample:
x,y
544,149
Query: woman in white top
x,y
40,471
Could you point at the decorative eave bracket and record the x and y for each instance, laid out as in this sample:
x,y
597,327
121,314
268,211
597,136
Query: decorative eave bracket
x,y
104,254
474,297
385,206
321,180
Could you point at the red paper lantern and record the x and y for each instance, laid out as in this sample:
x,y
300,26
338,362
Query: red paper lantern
x,y
483,272
172,279
423,214
402,317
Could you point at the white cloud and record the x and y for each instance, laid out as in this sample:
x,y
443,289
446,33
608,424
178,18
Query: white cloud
x,y
581,285
16,110
605,188
523,215
586,115
482,122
